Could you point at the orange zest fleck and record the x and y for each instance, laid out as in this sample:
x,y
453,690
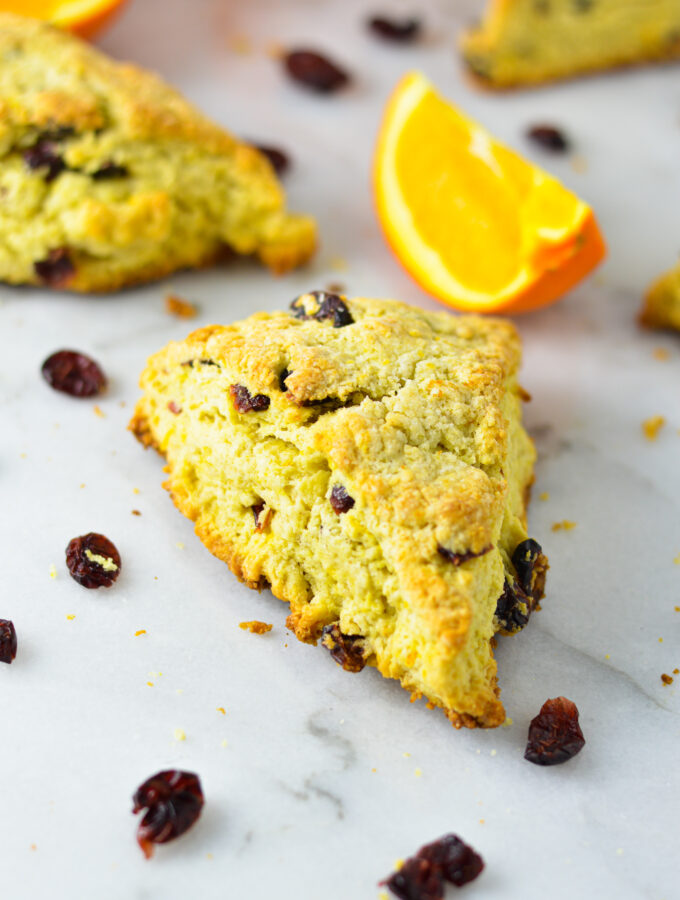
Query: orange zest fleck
x,y
255,627
176,306
221,709
141,631
651,427
476,225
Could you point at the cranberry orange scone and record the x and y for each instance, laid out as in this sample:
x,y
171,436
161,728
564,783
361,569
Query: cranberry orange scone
x,y
532,41
367,461
661,307
108,177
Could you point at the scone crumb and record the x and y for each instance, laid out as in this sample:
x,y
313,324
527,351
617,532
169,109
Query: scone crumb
x,y
141,631
136,512
224,743
150,683
607,656
676,560
179,734
493,752
179,545
418,772
53,571
70,617
667,679
564,525
508,722
676,671
544,496
406,755
99,412
415,696
134,490
651,427
255,627
183,309
661,640
661,354
221,709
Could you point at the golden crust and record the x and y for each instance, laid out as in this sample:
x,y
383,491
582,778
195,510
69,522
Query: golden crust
x,y
524,42
180,189
417,417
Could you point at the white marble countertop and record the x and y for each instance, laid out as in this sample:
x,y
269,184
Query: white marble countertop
x,y
327,778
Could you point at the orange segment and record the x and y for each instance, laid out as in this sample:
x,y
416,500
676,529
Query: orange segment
x,y
478,226
83,17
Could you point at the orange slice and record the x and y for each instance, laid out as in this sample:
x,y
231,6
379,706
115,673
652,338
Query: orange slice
x,y
83,17
476,225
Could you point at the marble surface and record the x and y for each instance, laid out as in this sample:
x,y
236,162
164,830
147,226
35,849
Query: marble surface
x,y
316,780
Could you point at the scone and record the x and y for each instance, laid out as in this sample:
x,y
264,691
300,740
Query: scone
x,y
661,307
366,460
531,41
108,177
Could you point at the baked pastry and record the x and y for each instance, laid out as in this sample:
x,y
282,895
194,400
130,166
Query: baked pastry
x,y
366,460
531,41
108,177
661,307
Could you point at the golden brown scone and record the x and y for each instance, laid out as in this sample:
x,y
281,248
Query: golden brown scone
x,y
523,42
661,307
108,177
366,460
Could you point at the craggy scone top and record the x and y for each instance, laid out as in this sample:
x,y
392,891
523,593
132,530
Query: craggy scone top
x,y
108,176
413,416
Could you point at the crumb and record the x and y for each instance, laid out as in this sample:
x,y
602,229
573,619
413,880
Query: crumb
x,y
406,755
34,846
136,491
179,734
335,287
82,485
544,496
255,627
493,752
667,679
98,411
150,683
579,164
661,640
660,353
176,306
481,821
383,896
23,455
374,770
418,773
564,525
155,674
221,709
122,404
208,856
507,723
70,617
676,608
53,571
607,656
241,44
136,512
224,743
676,671
179,545
274,50
652,427
676,560
524,395
141,631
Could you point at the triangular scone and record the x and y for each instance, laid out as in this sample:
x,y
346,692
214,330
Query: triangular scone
x,y
661,307
108,177
367,461
531,41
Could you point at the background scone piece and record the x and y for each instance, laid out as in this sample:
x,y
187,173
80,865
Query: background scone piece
x,y
531,41
367,461
661,307
108,177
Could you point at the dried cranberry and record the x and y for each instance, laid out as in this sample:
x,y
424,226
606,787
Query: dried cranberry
x,y
109,170
422,876
321,305
57,270
43,156
279,160
549,138
512,608
93,560
73,373
174,408
459,558
404,31
340,500
173,801
245,402
554,735
315,71
8,641
346,649
531,566
417,879
455,859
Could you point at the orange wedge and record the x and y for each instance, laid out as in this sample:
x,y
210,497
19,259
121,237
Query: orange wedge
x,y
83,17
476,225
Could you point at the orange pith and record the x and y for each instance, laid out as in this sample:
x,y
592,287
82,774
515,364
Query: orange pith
x,y
83,17
478,226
